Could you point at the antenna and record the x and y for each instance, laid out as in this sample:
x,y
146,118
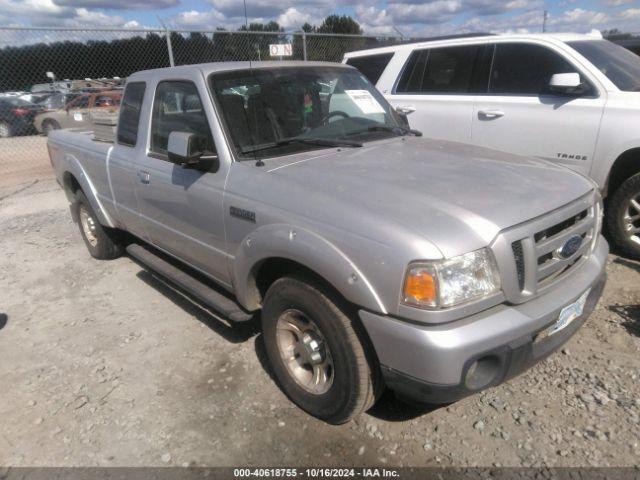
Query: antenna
x,y
545,16
259,162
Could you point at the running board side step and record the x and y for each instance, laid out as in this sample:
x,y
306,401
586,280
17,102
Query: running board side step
x,y
206,294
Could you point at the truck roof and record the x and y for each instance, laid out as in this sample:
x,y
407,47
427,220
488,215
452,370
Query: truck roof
x,y
208,68
463,39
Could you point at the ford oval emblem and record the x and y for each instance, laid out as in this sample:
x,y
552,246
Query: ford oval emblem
x,y
570,247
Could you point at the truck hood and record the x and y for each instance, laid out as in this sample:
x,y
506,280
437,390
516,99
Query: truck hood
x,y
457,196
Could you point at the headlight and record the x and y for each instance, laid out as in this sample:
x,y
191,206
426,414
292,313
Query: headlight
x,y
445,283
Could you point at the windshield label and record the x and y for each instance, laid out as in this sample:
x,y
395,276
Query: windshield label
x,y
365,101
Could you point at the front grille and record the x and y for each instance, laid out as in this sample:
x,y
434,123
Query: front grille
x,y
518,255
549,241
534,255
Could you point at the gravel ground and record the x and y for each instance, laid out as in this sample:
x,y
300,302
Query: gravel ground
x,y
102,364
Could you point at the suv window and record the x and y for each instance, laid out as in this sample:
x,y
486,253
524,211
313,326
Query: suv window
x,y
81,102
524,69
177,108
447,70
130,114
371,66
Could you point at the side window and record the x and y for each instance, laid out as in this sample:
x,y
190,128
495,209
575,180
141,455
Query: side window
x,y
371,66
80,102
447,70
524,69
411,77
130,114
177,108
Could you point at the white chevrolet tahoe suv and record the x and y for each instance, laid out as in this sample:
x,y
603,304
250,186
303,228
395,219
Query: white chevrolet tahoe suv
x,y
573,99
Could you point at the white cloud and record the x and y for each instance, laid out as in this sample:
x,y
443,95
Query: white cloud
x,y
293,19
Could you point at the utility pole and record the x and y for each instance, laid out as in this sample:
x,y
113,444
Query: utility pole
x,y
545,16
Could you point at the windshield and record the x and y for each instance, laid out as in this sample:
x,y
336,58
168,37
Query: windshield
x,y
620,65
265,109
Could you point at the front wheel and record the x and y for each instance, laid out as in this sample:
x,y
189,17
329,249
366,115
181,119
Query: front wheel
x,y
318,352
623,217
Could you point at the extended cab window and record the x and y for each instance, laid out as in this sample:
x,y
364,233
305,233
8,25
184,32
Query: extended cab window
x,y
447,70
177,108
371,66
130,114
524,69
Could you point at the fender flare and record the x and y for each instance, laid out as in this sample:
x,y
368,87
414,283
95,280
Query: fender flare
x,y
308,249
73,167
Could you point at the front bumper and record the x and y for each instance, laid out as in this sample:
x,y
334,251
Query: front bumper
x,y
430,363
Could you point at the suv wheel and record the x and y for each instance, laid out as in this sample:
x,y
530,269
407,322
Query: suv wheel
x,y
318,351
102,242
623,217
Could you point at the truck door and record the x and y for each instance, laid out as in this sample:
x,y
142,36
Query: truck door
x,y
182,208
121,159
520,114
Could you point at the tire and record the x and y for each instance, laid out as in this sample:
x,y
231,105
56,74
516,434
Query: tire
x,y
351,372
49,126
103,243
5,130
623,217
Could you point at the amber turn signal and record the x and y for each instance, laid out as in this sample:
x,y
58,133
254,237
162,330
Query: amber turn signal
x,y
420,287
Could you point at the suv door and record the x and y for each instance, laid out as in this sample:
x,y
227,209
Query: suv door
x,y
436,88
182,208
520,114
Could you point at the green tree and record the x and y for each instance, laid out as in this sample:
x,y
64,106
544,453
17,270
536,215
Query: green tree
x,y
340,24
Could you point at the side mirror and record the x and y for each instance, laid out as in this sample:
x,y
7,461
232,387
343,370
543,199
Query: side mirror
x,y
567,84
187,149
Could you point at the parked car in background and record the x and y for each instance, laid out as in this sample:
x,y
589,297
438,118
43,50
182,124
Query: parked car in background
x,y
567,98
17,116
77,113
58,100
377,257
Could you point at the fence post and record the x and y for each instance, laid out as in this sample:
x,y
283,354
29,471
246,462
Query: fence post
x,y
304,45
169,47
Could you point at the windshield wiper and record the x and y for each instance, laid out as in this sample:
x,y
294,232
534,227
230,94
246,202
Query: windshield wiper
x,y
324,142
387,128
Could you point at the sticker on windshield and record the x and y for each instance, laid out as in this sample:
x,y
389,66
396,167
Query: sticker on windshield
x,y
365,101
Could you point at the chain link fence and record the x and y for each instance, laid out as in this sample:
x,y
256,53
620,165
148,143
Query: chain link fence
x,y
56,77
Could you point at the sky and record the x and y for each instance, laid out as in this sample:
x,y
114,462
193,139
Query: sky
x,y
410,17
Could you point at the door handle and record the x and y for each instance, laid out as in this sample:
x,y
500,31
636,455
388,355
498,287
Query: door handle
x,y
144,176
490,114
405,109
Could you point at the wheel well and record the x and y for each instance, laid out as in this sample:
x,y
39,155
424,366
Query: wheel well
x,y
70,183
271,269
625,166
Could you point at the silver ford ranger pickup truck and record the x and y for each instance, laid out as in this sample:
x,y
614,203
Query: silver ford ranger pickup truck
x,y
376,257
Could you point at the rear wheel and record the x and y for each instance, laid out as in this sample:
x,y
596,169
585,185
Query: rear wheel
x,y
623,217
49,126
5,130
318,352
103,243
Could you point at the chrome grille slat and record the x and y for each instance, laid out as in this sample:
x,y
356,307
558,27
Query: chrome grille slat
x,y
553,243
552,266
527,254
